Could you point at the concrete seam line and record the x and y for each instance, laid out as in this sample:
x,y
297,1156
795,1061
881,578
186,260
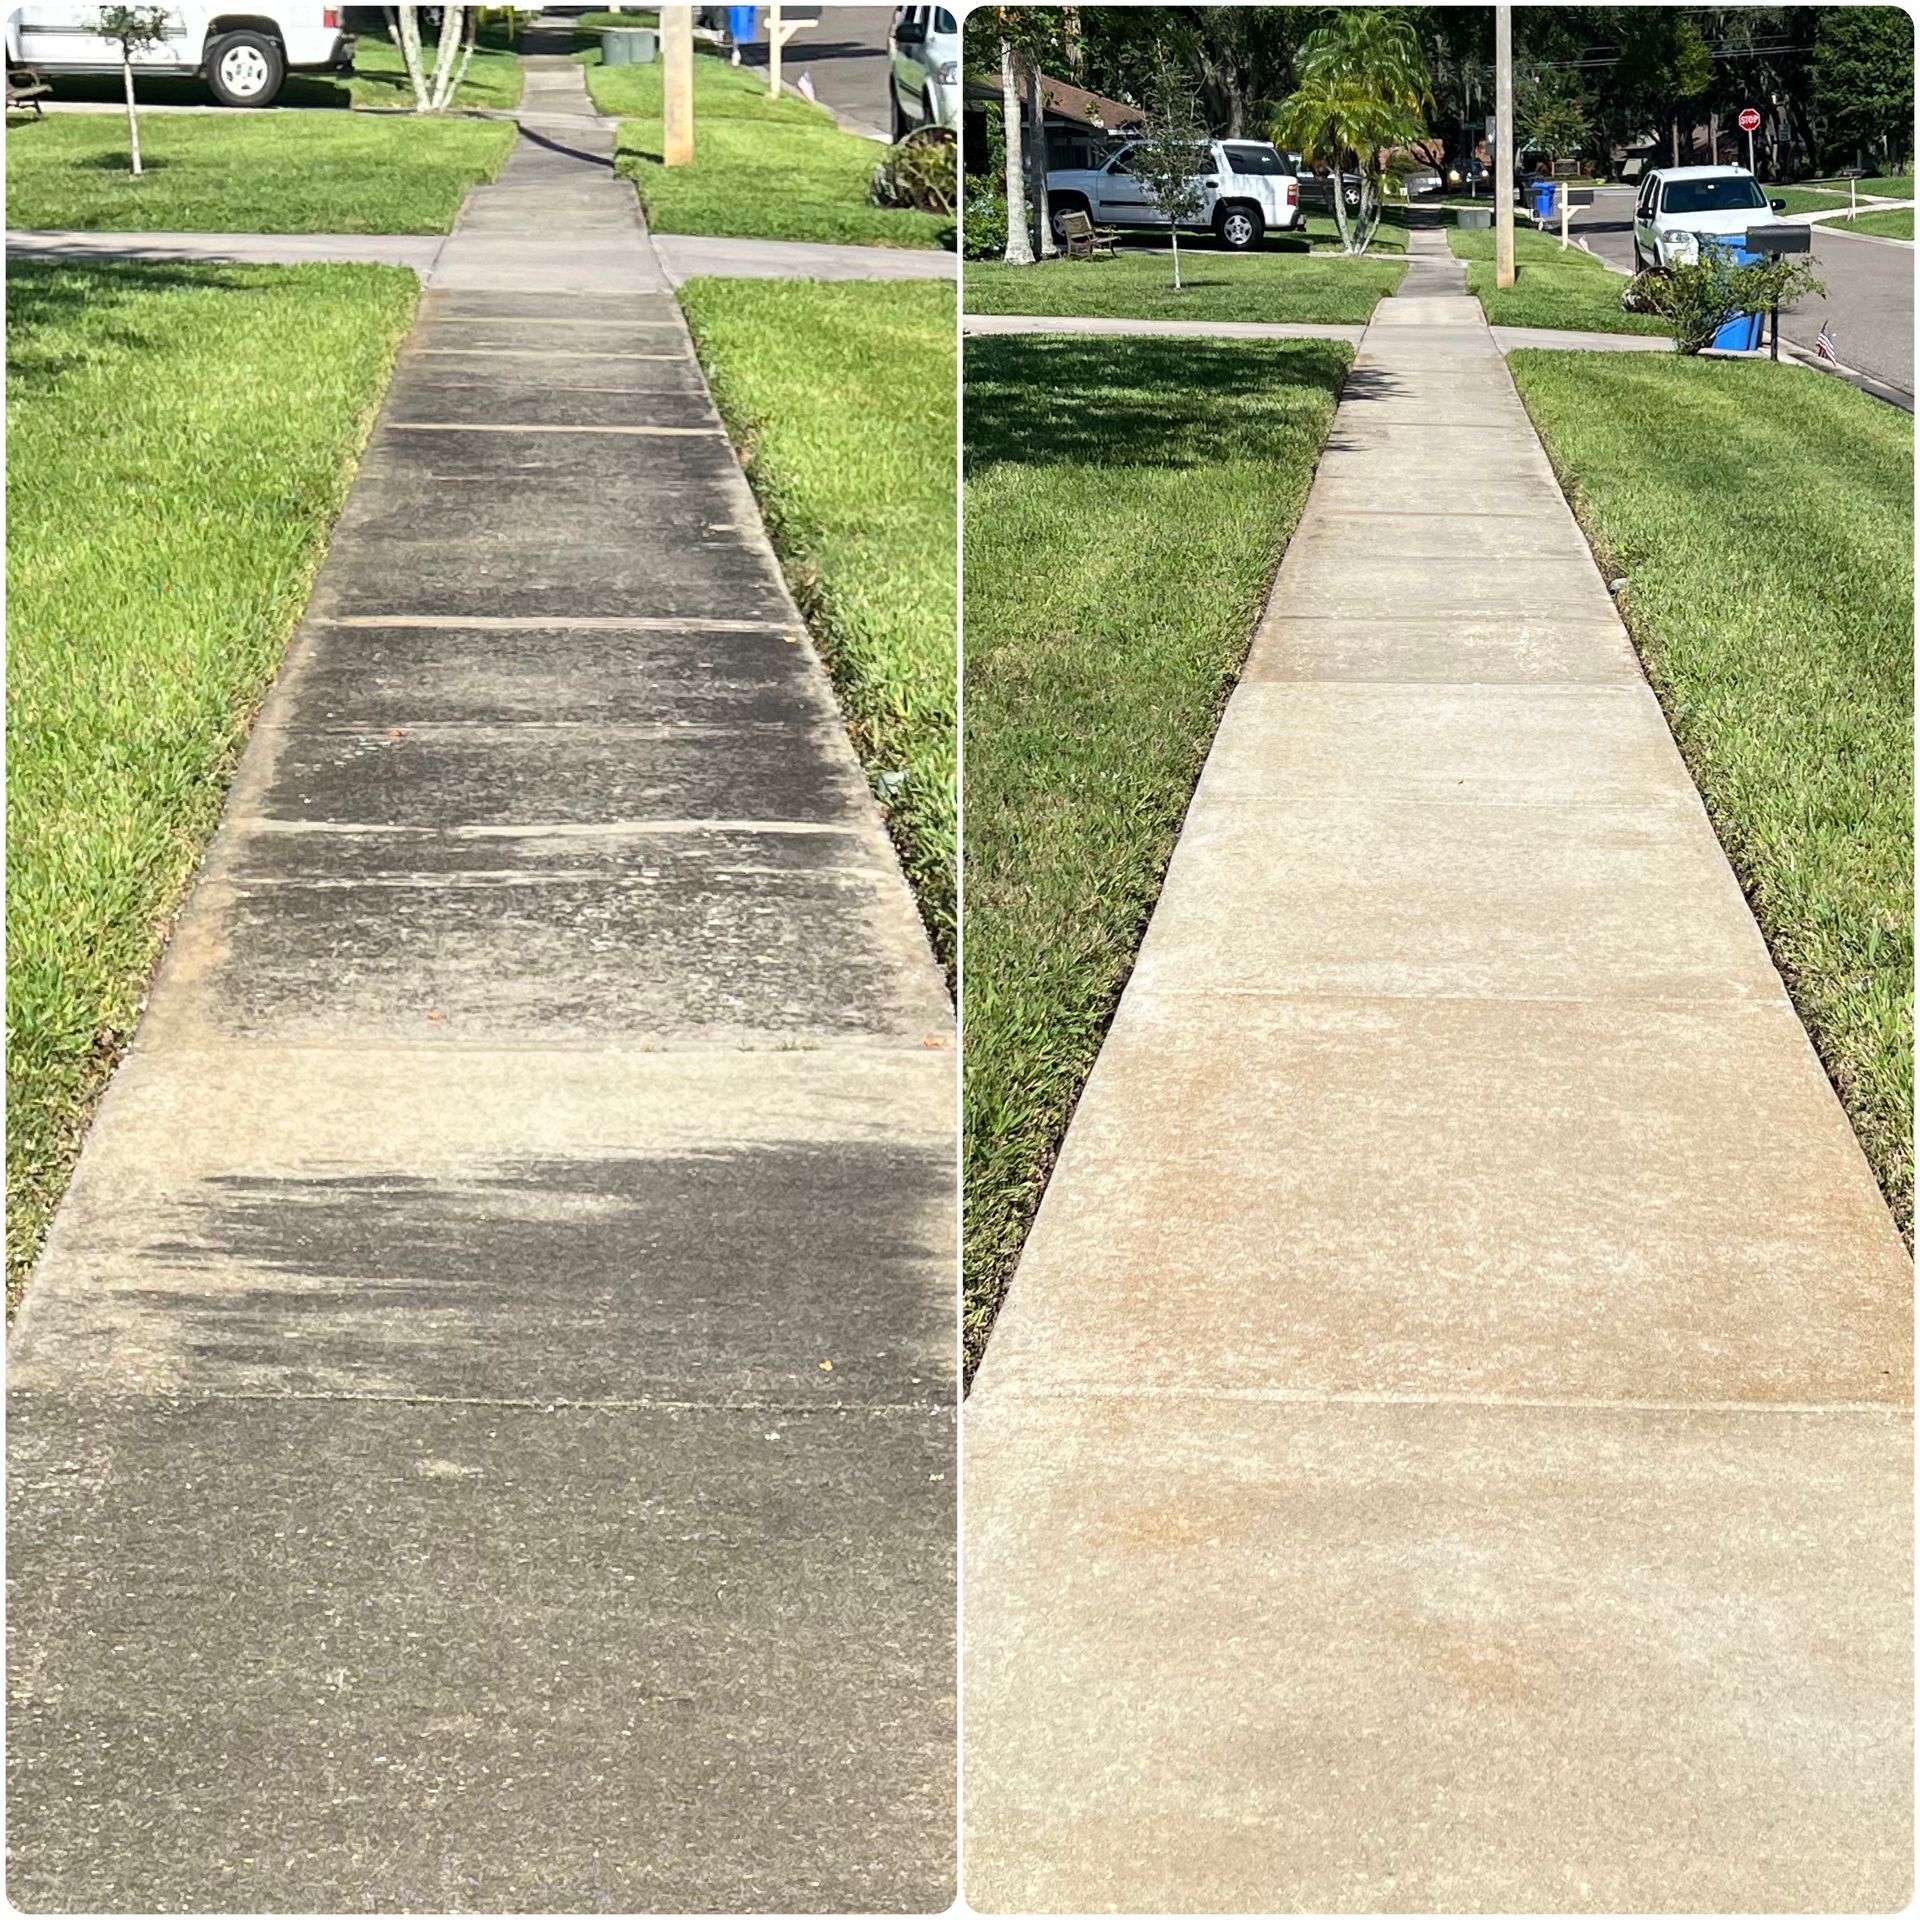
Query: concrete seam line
x,y
496,426
1047,1395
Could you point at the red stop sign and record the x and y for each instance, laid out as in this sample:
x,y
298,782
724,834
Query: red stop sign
x,y
1749,119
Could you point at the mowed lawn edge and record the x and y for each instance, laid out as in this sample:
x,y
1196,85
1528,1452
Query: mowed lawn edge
x,y
763,168
1553,286
1763,521
1302,288
250,172
181,441
1128,501
840,397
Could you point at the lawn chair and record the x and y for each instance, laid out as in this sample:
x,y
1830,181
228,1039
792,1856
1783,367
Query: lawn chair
x,y
24,89
1084,240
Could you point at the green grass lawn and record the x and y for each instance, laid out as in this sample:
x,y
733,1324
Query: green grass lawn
x,y
1128,499
1891,223
1806,199
763,169
1269,286
1554,286
378,79
180,442
841,397
1883,186
1763,519
250,172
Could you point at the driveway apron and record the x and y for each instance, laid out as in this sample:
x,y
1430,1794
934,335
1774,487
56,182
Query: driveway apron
x,y
481,1430
1447,1444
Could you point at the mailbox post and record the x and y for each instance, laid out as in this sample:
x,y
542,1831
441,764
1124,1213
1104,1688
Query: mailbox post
x,y
782,24
1771,242
1569,199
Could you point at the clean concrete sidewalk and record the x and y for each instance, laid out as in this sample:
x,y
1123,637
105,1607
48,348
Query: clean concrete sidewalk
x,y
1447,1445
1506,339
481,1430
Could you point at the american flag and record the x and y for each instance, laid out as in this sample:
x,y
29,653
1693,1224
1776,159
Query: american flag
x,y
1823,344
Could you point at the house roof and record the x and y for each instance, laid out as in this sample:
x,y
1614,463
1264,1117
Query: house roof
x,y
1086,109
1063,101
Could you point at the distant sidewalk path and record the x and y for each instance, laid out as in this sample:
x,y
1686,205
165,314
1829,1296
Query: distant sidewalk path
x,y
481,1428
1447,1444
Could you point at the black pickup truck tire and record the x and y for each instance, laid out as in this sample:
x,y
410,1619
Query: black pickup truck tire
x,y
246,69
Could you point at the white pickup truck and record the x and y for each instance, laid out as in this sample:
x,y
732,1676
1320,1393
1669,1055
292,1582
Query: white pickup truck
x,y
1250,191
243,56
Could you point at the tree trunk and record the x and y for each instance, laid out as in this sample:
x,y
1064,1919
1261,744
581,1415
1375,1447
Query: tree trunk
x,y
404,23
444,63
1337,190
1076,45
133,119
1019,247
1176,258
1037,160
1675,130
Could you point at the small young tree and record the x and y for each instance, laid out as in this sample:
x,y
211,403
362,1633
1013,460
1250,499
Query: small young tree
x,y
1171,159
133,30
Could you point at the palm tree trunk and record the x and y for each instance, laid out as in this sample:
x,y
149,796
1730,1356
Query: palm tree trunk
x,y
1019,248
1037,160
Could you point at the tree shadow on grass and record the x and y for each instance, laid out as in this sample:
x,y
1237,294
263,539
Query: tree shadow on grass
x,y
1119,400
60,312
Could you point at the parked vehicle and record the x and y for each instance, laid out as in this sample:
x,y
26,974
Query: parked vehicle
x,y
1250,187
243,57
923,59
1679,205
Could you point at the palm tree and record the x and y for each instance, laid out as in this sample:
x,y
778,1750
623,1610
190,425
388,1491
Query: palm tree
x,y
1362,85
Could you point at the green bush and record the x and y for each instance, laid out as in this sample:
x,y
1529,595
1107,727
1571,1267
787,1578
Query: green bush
x,y
986,222
1697,300
922,172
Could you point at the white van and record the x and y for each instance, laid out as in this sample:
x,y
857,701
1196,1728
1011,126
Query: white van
x,y
923,62
244,57
1678,206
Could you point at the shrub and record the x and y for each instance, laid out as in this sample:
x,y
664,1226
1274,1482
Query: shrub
x,y
985,225
920,171
1696,301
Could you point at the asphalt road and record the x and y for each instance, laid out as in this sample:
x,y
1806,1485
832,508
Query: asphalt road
x,y
847,56
1869,289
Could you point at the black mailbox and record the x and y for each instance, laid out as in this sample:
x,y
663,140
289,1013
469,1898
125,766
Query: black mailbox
x,y
1578,196
1780,238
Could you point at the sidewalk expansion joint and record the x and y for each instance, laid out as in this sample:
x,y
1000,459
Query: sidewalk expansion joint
x,y
932,1408
498,426
539,353
541,622
1526,1403
548,830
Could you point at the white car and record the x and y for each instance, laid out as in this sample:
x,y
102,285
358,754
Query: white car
x,y
1677,205
923,69
1249,190
243,56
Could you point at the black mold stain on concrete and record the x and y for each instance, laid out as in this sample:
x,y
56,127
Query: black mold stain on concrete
x,y
796,1271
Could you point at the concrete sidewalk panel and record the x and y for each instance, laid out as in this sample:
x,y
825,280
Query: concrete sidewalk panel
x,y
1436,1658
1465,647
1514,745
550,1228
457,1657
1430,897
1534,1200
1387,574
586,775
689,948
1441,542
373,678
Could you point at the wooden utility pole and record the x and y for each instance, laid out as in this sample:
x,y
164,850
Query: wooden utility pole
x,y
1503,147
676,86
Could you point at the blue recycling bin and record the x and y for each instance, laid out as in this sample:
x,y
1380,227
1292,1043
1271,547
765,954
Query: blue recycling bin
x,y
1543,192
743,25
1741,333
